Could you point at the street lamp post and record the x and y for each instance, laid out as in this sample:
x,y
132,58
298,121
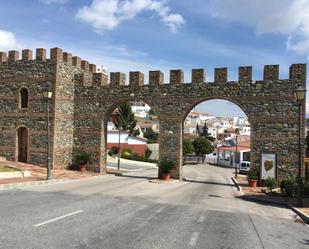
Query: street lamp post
x,y
236,159
47,96
119,151
299,96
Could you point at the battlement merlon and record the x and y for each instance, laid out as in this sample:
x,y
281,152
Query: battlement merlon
x,y
271,73
26,55
67,57
3,57
40,54
56,55
297,72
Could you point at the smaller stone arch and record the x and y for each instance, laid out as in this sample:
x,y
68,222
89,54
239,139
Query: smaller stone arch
x,y
23,98
22,144
231,100
107,112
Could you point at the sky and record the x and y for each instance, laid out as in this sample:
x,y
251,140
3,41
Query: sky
x,y
143,35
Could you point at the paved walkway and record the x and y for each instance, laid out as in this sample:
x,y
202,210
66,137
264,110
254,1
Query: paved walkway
x,y
39,173
259,193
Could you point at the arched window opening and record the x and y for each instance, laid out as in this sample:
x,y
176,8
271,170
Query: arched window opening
x,y
23,98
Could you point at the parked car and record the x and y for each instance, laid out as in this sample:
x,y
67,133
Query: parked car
x,y
244,167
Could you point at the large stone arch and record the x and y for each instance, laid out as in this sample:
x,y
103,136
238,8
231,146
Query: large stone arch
x,y
106,111
231,100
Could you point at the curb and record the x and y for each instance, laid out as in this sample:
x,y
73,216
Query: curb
x,y
33,183
10,186
126,170
239,188
159,181
301,214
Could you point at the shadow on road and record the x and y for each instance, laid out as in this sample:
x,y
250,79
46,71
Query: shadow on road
x,y
261,200
135,176
211,183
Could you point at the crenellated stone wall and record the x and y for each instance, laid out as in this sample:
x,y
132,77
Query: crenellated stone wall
x,y
84,99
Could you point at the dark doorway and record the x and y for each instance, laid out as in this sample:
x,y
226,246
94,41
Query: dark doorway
x,y
22,135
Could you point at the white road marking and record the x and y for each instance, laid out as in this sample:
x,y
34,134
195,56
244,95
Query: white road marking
x,y
145,221
194,239
143,207
58,218
160,209
201,219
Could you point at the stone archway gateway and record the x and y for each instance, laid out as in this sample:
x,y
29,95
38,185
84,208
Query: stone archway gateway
x,y
82,98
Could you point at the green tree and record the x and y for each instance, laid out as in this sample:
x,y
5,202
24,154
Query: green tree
x,y
202,146
204,133
187,146
197,129
125,121
152,136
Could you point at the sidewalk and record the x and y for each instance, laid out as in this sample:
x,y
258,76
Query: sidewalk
x,y
132,162
260,194
39,173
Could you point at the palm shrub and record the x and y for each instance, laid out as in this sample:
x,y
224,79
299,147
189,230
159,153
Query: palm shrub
x,y
166,165
253,174
288,186
271,183
306,188
82,158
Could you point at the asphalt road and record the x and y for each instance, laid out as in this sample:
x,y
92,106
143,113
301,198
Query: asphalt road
x,y
129,167
132,212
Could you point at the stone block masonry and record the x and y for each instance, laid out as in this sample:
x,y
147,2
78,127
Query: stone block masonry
x,y
83,99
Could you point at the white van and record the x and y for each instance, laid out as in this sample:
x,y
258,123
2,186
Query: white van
x,y
244,167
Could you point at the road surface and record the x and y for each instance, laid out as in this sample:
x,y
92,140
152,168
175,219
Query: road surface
x,y
131,167
115,212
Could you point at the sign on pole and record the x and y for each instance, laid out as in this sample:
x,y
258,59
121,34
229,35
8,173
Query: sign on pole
x,y
269,166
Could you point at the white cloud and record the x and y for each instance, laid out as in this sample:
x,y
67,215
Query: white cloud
x,y
289,17
108,14
8,41
54,1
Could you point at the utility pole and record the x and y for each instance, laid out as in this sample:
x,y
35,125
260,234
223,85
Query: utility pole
x,y
118,165
236,159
